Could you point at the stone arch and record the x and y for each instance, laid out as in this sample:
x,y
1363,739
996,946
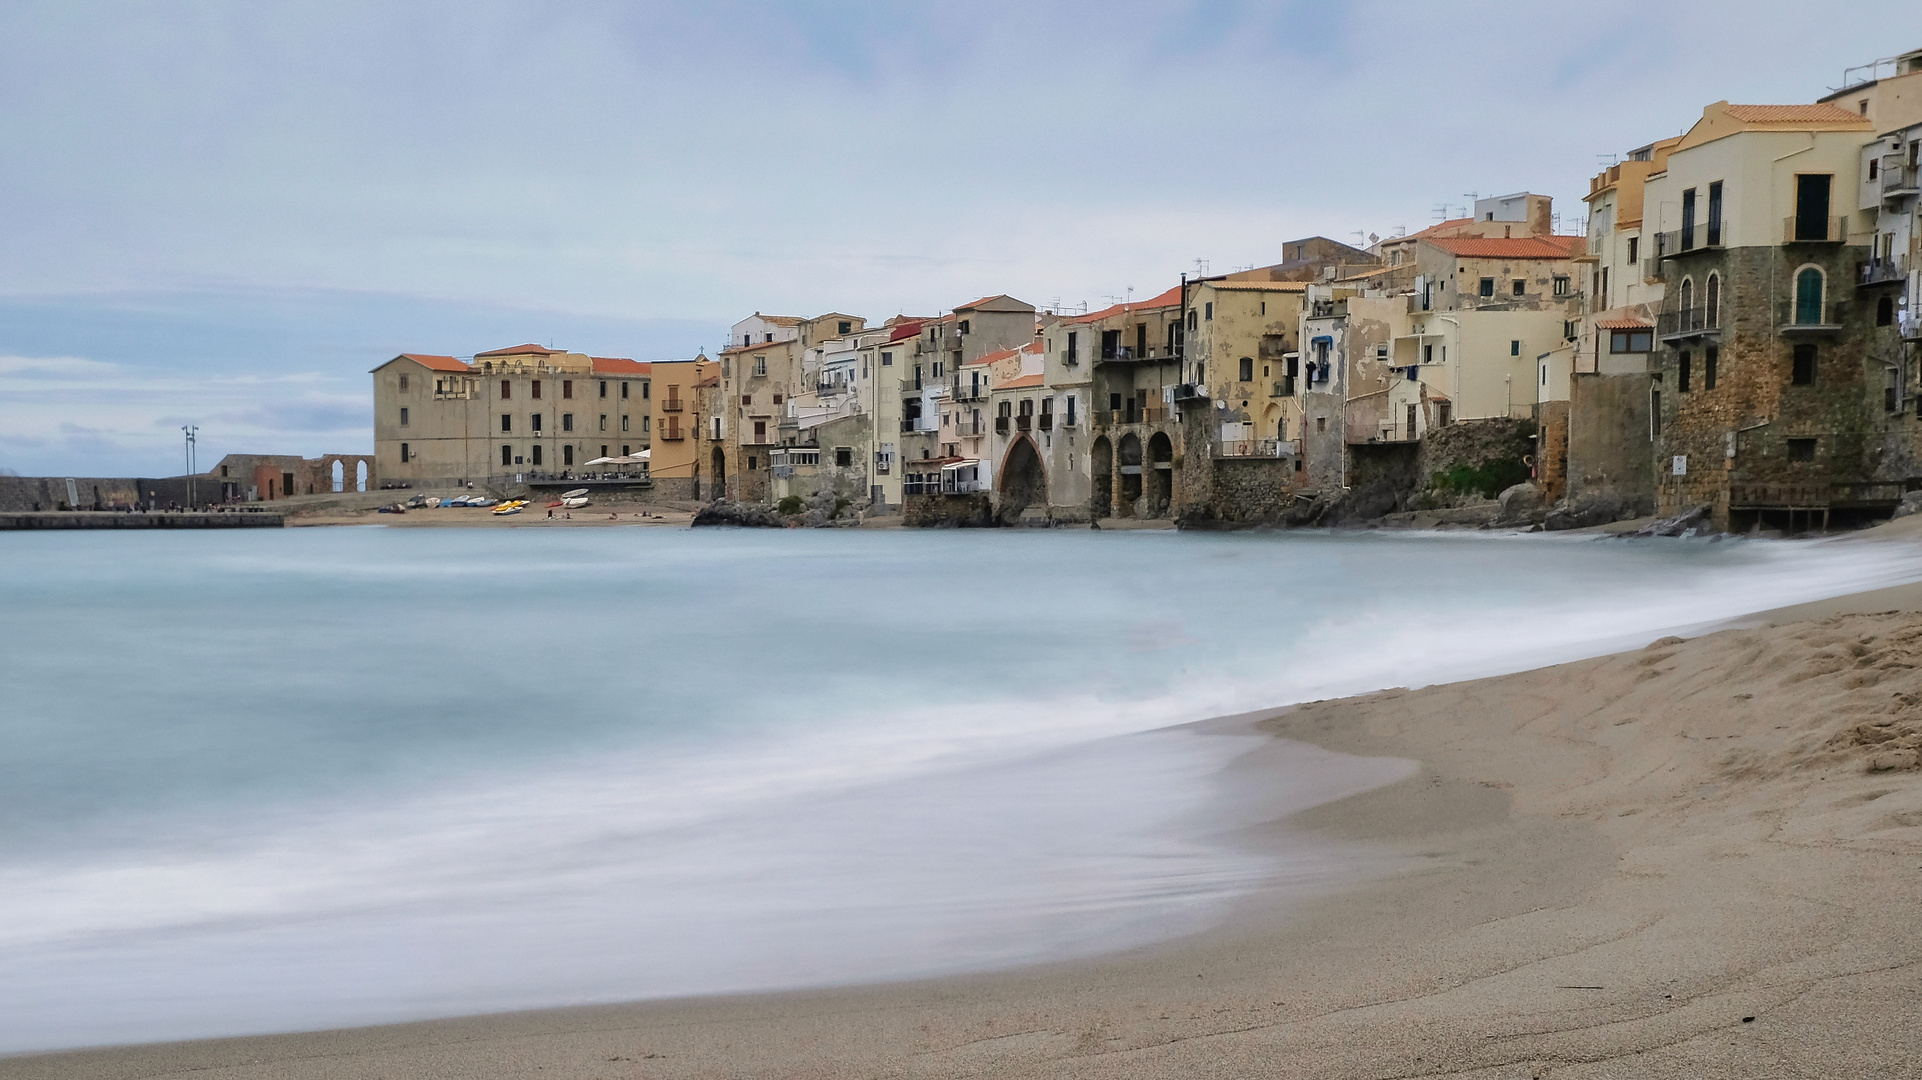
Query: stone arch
x,y
1130,456
360,475
1023,479
1811,294
1161,474
1271,421
339,474
1101,472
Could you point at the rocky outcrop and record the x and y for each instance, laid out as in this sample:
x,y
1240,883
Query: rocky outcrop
x,y
1588,511
1690,522
742,515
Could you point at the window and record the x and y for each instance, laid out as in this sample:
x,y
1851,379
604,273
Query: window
x,y
760,366
1873,173
567,455
1321,423
507,390
603,392
1802,371
1514,348
1488,287
646,423
624,419
1520,288
626,450
1070,410
1709,358
752,463
1808,296
1073,346
403,408
507,422
1210,309
536,392
1801,449
964,326
1688,219
1682,372
843,457
507,455
937,368
567,421
537,454
845,326
403,382
887,359
537,421
1712,304
1630,341
1715,214
747,400
1427,354
777,397
1884,316
603,425
604,450
1634,256
403,458
1561,280
646,389
623,391
567,388
1812,206
1247,369
1655,414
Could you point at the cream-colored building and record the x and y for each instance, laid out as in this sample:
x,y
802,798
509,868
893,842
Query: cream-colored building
x,y
514,412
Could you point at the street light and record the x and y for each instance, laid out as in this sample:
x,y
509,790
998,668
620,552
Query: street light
x,y
192,431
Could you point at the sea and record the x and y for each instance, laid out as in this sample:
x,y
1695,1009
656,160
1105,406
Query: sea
x,y
259,781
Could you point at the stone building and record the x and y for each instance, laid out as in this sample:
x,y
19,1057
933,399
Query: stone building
x,y
760,373
514,412
1133,355
1767,400
675,421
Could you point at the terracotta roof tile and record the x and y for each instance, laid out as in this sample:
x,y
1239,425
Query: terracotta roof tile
x,y
521,350
1023,383
1793,114
1171,298
1520,247
437,363
616,365
990,358
1624,322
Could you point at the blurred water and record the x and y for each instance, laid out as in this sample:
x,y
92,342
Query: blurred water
x,y
262,781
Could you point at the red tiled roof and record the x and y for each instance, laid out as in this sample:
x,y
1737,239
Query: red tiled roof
x,y
1499,247
1168,299
437,363
1022,383
754,346
618,365
1792,114
521,350
990,358
903,331
1438,227
1624,322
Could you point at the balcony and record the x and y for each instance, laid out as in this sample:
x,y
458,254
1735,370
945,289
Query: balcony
x,y
1822,230
1128,354
1284,387
1651,270
1258,448
1883,271
1024,422
672,434
1899,179
912,425
671,405
1794,318
1001,425
1685,323
969,392
1710,237
1045,421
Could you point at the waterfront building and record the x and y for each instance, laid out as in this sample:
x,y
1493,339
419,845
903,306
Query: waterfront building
x,y
1132,353
676,461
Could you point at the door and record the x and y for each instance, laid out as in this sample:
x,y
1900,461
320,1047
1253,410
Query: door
x,y
1812,206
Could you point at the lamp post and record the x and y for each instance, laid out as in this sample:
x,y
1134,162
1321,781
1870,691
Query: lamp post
x,y
192,432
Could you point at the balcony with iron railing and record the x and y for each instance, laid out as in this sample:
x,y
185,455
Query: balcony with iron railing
x,y
1024,422
1045,421
671,405
1001,424
1884,271
1900,178
1828,229
1127,353
1793,317
1676,243
1283,387
969,391
1257,448
1690,322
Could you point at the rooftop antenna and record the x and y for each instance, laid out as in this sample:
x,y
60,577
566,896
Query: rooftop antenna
x,y
1401,230
1609,161
1201,268
1440,211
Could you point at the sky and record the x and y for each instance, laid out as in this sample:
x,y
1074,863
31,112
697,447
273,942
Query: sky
x,y
226,214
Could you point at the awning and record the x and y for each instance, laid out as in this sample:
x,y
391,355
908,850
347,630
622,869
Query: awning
x,y
961,464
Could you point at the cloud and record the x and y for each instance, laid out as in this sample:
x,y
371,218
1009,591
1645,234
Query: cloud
x,y
55,367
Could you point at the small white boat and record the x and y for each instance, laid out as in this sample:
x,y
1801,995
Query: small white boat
x,y
574,503
577,493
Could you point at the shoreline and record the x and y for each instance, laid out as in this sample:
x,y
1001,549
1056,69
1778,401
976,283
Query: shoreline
x,y
1588,878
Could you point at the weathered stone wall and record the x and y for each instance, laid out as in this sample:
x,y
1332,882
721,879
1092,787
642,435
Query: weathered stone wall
x,y
677,489
951,511
1473,443
19,494
1251,490
1551,450
1608,436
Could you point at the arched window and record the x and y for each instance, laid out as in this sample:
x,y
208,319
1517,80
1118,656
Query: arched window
x,y
1712,303
1808,295
1688,315
360,476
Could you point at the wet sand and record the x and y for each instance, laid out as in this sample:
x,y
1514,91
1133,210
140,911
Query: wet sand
x,y
1699,859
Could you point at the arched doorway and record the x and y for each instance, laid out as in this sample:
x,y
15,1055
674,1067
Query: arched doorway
x,y
1101,470
1161,479
340,476
360,476
1024,482
717,486
1130,472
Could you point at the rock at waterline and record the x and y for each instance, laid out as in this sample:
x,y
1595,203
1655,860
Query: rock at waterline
x,y
742,515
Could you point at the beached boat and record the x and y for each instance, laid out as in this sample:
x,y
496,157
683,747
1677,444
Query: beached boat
x,y
574,503
513,506
577,493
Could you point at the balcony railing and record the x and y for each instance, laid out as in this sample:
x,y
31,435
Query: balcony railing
x,y
1129,352
672,434
1822,230
1688,322
671,405
1701,237
1284,387
1001,425
1265,448
1899,178
969,391
758,439
1045,422
1883,270
1791,317
1024,422
912,425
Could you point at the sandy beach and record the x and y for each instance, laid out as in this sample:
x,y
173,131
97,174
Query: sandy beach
x,y
1703,858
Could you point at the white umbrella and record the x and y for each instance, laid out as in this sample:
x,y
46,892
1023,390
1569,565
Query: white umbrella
x,y
602,461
